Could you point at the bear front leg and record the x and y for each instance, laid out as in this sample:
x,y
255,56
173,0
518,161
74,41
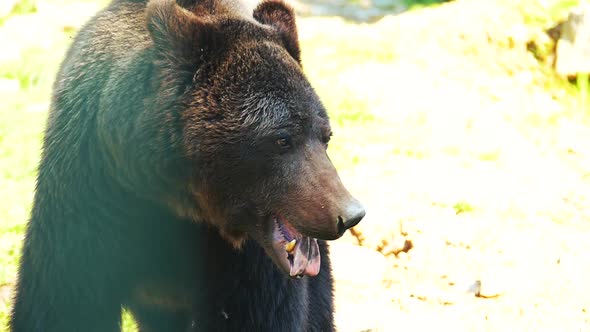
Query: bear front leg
x,y
56,307
65,285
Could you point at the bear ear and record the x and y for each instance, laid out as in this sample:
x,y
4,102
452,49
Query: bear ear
x,y
280,16
179,36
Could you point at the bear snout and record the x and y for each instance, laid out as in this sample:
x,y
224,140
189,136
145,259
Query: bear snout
x,y
353,213
328,221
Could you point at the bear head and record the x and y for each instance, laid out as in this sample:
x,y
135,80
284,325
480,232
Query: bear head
x,y
253,130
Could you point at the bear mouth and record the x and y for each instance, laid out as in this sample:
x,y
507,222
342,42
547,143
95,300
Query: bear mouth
x,y
297,254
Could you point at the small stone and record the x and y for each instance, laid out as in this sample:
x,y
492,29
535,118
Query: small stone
x,y
487,292
573,46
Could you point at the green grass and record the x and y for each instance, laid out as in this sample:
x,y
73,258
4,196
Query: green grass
x,y
546,13
419,4
462,207
25,7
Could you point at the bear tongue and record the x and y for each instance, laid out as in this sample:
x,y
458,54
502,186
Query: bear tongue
x,y
306,258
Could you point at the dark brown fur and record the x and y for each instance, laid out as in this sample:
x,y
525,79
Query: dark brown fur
x,y
160,158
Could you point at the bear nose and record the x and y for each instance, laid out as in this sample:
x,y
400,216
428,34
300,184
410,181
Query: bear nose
x,y
353,214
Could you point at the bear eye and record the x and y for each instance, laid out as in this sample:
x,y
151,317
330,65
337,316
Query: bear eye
x,y
326,138
284,141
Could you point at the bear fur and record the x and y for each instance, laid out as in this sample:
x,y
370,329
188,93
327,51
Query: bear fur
x,y
184,151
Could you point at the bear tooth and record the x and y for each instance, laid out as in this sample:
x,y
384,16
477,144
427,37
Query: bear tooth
x,y
290,246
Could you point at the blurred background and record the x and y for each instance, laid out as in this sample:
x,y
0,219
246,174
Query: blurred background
x,y
463,126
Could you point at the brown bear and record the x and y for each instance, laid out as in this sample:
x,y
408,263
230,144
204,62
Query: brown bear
x,y
184,176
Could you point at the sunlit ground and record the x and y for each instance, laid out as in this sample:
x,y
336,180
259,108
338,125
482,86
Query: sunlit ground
x,y
452,134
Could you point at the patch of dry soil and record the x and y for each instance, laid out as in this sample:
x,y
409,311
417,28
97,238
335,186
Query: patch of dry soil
x,y
494,198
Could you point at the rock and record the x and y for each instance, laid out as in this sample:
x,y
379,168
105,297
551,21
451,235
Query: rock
x,y
573,46
363,10
487,291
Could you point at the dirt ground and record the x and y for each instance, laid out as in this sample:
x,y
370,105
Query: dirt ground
x,y
483,224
